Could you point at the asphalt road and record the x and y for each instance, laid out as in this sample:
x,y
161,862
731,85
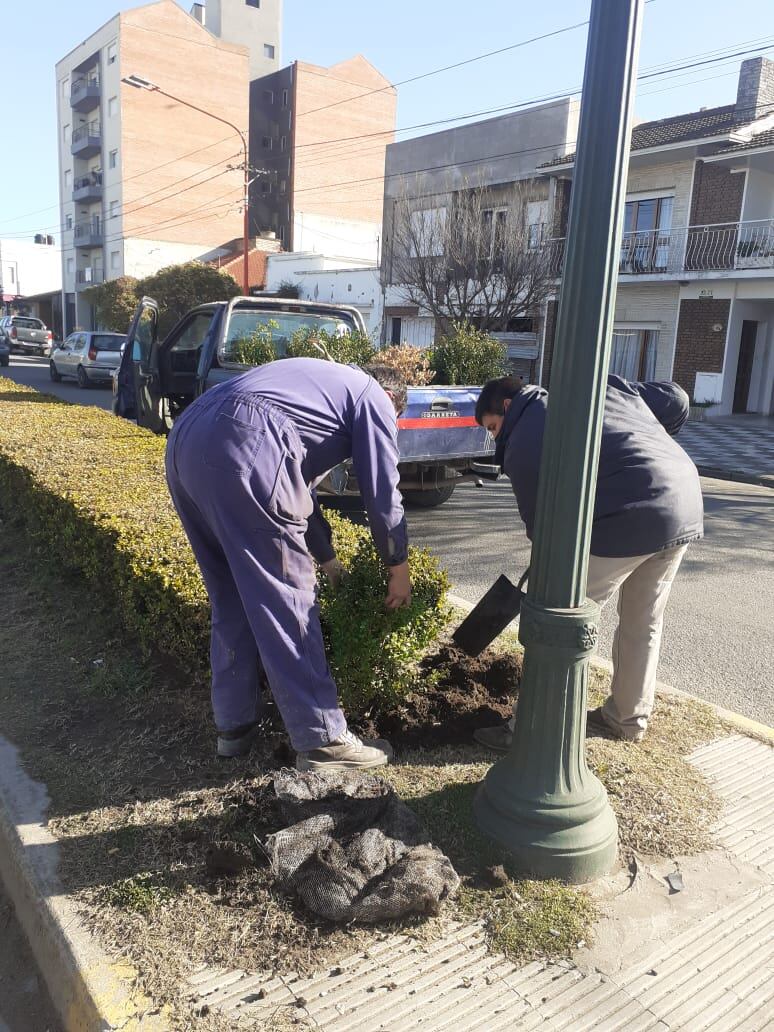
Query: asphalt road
x,y
719,630
718,637
33,371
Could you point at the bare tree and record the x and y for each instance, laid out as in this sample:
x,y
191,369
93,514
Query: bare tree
x,y
470,256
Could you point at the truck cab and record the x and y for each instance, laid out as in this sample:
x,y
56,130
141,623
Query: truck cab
x,y
439,440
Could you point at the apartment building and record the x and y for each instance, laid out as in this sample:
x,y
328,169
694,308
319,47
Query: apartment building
x,y
146,181
428,177
317,144
255,24
696,268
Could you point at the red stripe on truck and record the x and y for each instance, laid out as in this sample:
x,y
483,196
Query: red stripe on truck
x,y
434,423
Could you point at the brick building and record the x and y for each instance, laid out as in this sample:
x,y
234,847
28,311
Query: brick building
x,y
145,182
696,287
317,143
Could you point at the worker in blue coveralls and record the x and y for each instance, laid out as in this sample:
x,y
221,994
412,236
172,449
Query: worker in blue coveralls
x,y
242,464
648,508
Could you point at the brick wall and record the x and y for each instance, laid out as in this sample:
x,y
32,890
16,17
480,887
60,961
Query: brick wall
x,y
755,92
717,195
348,103
700,347
550,332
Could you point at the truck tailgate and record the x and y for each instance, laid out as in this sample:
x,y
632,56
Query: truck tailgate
x,y
439,423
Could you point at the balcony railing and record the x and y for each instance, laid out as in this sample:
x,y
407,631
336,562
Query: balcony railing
x,y
86,140
85,92
88,233
88,188
726,246
88,277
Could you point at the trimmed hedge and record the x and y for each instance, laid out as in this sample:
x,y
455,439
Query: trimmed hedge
x,y
92,491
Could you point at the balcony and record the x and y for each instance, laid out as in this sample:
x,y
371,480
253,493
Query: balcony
x,y
88,188
86,140
88,277
725,247
85,92
88,233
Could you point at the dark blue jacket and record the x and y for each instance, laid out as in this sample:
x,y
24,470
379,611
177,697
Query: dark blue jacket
x,y
648,492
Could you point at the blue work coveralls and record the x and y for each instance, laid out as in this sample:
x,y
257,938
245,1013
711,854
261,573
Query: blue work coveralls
x,y
242,463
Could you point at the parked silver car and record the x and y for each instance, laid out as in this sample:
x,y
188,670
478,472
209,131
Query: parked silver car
x,y
26,333
89,357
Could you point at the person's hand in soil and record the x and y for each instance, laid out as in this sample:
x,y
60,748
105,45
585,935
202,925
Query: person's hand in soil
x,y
398,587
334,571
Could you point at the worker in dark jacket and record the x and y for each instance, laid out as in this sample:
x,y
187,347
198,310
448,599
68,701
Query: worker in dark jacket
x,y
648,508
242,464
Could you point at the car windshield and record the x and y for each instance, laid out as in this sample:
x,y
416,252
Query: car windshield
x,y
282,325
108,341
28,324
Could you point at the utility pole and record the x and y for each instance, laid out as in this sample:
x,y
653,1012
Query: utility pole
x,y
146,84
541,801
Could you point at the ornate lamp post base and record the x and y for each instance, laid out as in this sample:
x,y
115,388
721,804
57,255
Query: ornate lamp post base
x,y
541,801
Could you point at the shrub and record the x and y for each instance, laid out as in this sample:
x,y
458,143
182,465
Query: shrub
x,y
114,303
257,348
350,347
178,288
467,356
92,491
412,363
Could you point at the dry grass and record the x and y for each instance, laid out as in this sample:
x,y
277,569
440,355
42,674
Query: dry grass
x,y
138,801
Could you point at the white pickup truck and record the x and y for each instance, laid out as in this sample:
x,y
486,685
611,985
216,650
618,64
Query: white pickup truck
x,y
25,333
440,443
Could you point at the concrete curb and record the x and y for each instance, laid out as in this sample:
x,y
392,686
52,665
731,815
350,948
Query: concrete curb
x,y
737,476
90,992
744,724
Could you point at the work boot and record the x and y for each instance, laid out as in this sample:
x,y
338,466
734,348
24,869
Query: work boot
x,y
498,738
238,742
347,753
596,721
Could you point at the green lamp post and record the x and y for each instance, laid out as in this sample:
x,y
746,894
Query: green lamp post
x,y
540,801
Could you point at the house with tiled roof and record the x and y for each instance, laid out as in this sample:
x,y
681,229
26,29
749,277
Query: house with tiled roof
x,y
696,267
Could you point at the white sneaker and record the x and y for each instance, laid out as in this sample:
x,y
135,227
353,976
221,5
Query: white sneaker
x,y
347,753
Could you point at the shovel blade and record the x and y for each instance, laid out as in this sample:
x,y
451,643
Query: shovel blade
x,y
489,618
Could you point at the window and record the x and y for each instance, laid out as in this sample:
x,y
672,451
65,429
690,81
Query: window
x,y
111,53
66,133
283,143
268,96
426,232
253,3
266,143
114,209
493,223
68,178
115,260
65,84
68,222
112,107
113,159
645,244
536,215
283,186
12,278
633,353
70,264
268,50
265,186
283,325
285,98
190,340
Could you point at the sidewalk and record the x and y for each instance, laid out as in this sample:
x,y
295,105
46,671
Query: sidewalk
x,y
696,952
737,448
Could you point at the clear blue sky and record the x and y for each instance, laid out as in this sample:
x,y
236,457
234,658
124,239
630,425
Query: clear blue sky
x,y
403,38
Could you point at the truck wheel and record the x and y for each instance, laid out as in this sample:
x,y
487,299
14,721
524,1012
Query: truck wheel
x,y
428,499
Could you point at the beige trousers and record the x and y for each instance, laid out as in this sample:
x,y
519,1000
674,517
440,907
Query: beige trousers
x,y
645,582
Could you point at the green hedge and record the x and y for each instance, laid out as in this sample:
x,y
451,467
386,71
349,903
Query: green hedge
x,y
92,491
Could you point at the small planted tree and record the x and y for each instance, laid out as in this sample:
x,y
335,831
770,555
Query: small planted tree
x,y
313,343
467,356
258,347
412,363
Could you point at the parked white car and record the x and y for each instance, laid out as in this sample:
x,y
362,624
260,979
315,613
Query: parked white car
x,y
89,357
